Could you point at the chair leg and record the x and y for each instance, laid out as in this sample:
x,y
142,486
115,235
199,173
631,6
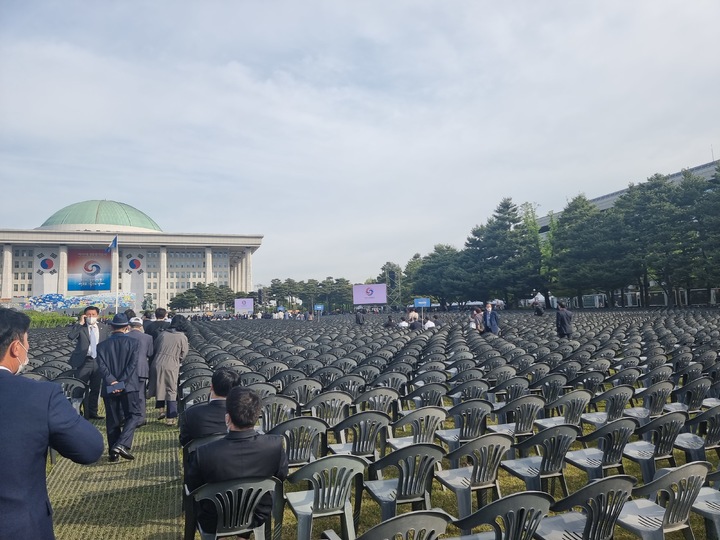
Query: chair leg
x,y
647,468
348,527
688,533
712,528
388,510
304,527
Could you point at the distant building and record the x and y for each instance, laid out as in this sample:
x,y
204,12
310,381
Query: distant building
x,y
604,202
65,262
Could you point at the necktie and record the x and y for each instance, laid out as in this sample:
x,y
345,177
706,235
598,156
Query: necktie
x,y
93,331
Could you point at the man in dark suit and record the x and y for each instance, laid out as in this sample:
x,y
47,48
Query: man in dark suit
x,y
145,352
490,319
34,415
242,453
563,321
117,359
160,324
87,332
209,418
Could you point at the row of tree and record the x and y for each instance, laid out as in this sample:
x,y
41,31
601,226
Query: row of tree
x,y
659,234
206,297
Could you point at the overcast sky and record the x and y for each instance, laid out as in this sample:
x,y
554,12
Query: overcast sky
x,y
347,133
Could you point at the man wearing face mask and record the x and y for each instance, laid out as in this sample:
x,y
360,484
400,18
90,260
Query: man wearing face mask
x,y
35,415
88,333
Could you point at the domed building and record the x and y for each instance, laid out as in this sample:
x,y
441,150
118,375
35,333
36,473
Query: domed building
x,y
68,261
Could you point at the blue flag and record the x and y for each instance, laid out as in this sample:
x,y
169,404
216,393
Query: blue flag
x,y
112,245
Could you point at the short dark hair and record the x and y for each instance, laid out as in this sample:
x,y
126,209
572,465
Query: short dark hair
x,y
561,305
97,309
130,313
224,380
180,323
160,313
13,325
147,313
243,405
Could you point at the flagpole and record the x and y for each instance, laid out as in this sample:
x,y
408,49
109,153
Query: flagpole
x,y
117,278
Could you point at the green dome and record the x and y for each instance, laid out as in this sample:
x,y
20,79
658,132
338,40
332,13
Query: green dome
x,y
100,216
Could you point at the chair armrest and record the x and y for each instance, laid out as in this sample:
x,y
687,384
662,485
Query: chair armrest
x,y
330,535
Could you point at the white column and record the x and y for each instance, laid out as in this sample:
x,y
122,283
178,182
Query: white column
x,y
208,266
114,277
7,273
62,270
241,265
248,270
162,300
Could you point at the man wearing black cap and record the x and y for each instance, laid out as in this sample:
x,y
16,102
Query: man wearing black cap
x,y
117,359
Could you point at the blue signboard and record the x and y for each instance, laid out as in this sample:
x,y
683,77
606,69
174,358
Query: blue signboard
x,y
319,307
422,302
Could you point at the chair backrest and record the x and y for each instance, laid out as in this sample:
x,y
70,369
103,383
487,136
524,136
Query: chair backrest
x,y
471,389
235,501
554,443
277,409
423,524
252,377
74,389
428,395
615,399
415,466
665,430
332,478
525,410
469,418
302,390
514,387
676,490
573,404
367,429
352,384
693,393
391,379
331,406
381,399
709,422
657,374
514,517
304,438
614,436
263,389
484,454
423,422
550,385
601,502
201,395
655,397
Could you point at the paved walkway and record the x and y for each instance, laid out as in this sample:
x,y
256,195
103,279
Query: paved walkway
x,y
126,500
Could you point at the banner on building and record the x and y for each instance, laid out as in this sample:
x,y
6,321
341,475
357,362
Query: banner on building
x,y
89,270
244,306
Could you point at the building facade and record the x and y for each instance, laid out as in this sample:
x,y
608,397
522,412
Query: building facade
x,y
67,262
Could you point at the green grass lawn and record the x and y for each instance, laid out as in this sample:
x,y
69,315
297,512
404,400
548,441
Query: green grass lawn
x,y
142,498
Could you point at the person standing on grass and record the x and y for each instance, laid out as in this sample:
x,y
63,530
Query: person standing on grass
x,y
563,321
33,416
171,346
118,365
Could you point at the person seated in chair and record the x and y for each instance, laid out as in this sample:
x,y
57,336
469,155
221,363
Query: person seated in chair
x,y
242,453
209,418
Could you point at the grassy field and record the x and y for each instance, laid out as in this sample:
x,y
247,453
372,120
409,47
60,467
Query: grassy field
x,y
141,499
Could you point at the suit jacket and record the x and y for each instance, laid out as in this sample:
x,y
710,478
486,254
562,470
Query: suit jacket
x,y
35,415
81,334
491,322
563,321
157,327
117,359
202,420
241,454
145,351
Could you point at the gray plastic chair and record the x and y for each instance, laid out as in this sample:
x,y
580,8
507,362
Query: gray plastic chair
x,y
670,498
484,455
467,390
550,387
599,504
305,439
429,395
74,389
707,505
423,423
366,433
332,479
515,517
414,465
663,431
535,471
707,438
302,390
331,406
235,502
612,439
378,399
524,411
424,524
615,400
277,409
689,398
654,399
572,405
470,421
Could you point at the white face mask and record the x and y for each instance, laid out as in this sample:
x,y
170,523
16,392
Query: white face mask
x,y
92,320
25,363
